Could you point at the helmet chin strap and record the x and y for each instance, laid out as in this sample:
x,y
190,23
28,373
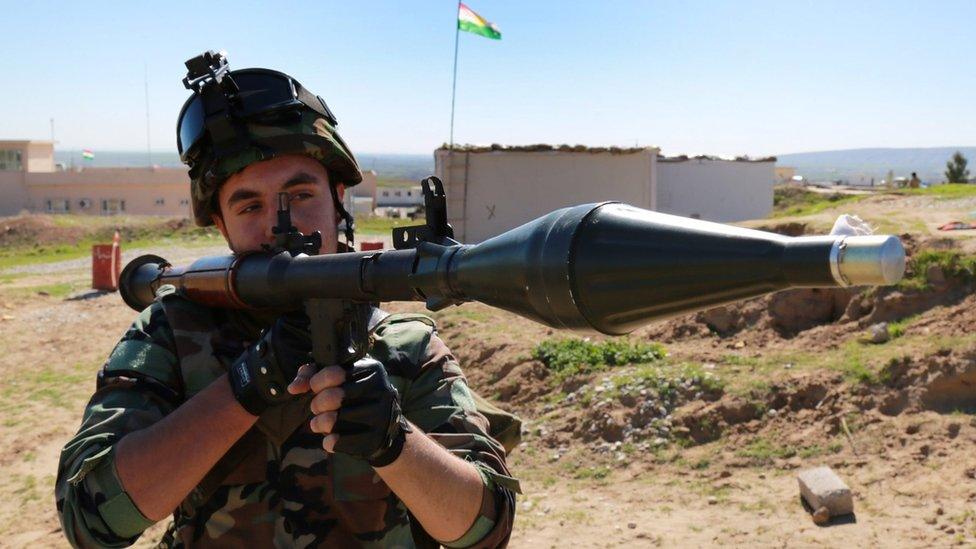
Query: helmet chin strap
x,y
346,216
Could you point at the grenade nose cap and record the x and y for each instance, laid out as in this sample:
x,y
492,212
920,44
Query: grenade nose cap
x,y
875,260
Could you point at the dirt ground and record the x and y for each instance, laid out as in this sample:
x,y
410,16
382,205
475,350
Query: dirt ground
x,y
895,420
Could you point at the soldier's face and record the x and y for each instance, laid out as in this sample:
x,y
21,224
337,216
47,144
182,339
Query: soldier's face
x,y
249,202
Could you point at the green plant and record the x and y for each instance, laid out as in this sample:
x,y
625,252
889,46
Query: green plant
x,y
572,356
897,328
956,171
952,263
764,451
855,371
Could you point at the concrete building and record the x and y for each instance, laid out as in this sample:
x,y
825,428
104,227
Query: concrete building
x,y
493,189
30,181
399,197
715,189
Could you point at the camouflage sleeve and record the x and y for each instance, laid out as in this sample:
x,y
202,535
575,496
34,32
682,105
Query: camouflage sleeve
x,y
437,399
136,387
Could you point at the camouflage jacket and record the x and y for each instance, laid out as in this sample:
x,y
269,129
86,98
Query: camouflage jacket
x,y
286,493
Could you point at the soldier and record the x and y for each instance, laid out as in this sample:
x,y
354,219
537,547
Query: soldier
x,y
176,427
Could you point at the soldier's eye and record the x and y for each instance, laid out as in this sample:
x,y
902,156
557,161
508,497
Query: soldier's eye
x,y
250,208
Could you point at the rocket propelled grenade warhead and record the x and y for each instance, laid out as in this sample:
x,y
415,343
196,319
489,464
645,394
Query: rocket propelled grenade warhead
x,y
613,268
607,267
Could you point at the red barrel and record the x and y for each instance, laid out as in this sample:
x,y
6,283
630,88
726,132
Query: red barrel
x,y
368,245
106,265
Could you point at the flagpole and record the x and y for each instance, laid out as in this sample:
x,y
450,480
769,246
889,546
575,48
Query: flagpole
x,y
457,31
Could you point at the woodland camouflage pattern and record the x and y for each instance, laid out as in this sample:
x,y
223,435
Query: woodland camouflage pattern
x,y
311,135
291,494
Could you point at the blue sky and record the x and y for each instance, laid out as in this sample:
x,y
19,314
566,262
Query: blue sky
x,y
691,77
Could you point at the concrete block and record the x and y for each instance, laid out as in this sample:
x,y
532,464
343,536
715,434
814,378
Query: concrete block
x,y
821,487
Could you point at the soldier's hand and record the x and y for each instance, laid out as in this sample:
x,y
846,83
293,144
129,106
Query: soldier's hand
x,y
260,377
359,412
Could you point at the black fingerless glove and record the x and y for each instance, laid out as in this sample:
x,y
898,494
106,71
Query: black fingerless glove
x,y
260,377
370,423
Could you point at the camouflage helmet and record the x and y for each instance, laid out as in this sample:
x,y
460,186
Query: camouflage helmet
x,y
305,127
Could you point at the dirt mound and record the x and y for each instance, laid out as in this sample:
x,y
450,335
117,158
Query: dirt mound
x,y
707,421
40,230
25,230
944,382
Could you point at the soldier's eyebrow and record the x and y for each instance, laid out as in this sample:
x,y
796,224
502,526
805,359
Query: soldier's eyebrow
x,y
299,178
240,195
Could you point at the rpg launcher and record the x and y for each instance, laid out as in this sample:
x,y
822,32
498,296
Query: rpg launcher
x,y
605,267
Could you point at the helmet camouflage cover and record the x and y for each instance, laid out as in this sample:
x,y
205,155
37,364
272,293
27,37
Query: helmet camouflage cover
x,y
311,135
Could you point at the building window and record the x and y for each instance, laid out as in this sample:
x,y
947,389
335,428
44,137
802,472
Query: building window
x,y
58,205
409,193
113,206
160,201
184,202
398,193
10,161
386,193
85,203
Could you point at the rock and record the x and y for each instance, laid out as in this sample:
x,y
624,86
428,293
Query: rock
x,y
712,500
940,511
877,333
912,429
821,487
821,516
954,429
739,345
721,320
632,525
930,520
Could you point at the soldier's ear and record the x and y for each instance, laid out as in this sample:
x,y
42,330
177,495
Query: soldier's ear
x,y
218,221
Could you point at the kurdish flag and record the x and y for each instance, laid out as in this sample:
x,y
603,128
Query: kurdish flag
x,y
87,154
470,21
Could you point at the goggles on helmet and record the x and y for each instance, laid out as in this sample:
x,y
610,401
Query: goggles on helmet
x,y
224,100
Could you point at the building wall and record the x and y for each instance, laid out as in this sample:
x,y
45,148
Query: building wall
x,y
491,192
716,190
146,191
40,156
13,193
399,197
367,187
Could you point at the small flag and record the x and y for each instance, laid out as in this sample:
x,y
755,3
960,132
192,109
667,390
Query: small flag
x,y
469,21
87,154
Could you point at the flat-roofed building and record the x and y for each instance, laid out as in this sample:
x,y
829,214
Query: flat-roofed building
x,y
30,180
496,188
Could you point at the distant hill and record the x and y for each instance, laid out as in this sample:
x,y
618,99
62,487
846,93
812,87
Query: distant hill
x,y
858,166
389,166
